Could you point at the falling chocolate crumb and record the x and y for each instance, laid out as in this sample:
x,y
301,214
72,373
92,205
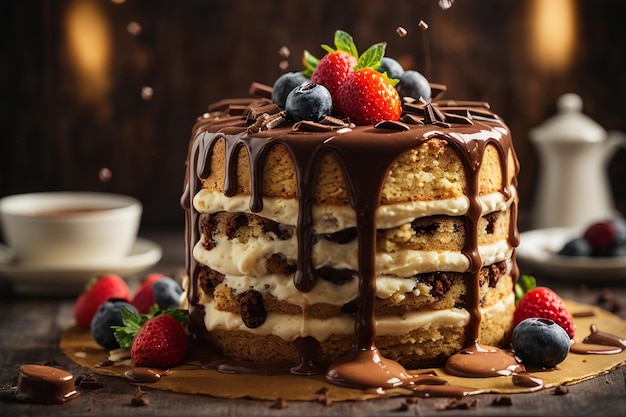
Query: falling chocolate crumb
x,y
462,404
279,404
401,31
88,382
500,401
284,52
423,25
283,65
561,390
105,175
138,399
146,93
133,28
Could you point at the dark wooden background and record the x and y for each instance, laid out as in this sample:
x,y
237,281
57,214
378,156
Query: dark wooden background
x,y
59,127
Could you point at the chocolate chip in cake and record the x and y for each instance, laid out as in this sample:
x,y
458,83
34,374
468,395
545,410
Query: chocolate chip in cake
x,y
252,309
439,282
207,225
491,223
336,276
277,263
208,279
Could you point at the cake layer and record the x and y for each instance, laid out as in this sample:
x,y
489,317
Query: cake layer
x,y
230,257
414,339
332,218
426,292
433,170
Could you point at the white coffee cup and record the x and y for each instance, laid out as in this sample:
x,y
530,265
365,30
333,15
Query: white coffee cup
x,y
66,228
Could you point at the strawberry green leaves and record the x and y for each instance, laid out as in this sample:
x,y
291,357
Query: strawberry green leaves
x,y
133,322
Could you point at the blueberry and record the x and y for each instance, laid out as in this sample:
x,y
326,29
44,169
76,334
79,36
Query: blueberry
x,y
108,314
308,102
413,84
620,229
615,248
167,292
391,67
284,84
540,342
578,246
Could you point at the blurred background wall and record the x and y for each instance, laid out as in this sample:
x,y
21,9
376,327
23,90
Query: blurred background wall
x,y
102,94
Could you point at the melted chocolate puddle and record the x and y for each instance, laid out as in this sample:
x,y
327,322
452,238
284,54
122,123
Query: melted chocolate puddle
x,y
599,343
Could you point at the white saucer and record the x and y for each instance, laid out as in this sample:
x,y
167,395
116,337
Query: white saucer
x,y
538,251
70,279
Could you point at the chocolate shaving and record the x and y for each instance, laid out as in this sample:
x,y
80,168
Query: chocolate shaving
x,y
323,397
138,399
391,124
333,121
275,120
437,90
88,382
237,109
280,404
561,390
402,407
260,90
255,112
502,401
308,126
259,123
462,404
412,119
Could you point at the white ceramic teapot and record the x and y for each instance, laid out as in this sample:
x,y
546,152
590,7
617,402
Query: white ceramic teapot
x,y
574,153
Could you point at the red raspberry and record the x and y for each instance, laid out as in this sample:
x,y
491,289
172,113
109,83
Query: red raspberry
x,y
600,234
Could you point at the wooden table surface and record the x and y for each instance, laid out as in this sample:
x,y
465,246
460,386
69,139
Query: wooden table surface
x,y
30,328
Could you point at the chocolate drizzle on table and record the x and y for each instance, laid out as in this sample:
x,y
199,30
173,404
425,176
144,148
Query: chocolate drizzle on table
x,y
365,154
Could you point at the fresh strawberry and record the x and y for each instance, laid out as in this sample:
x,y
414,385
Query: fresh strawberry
x,y
542,302
368,97
143,297
333,68
156,339
97,291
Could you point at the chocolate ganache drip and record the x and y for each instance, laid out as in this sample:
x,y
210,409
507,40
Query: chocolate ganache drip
x,y
467,126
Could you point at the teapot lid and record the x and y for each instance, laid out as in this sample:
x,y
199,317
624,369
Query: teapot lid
x,y
569,124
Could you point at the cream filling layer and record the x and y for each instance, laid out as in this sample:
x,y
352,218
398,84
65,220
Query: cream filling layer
x,y
290,327
283,288
330,219
232,257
